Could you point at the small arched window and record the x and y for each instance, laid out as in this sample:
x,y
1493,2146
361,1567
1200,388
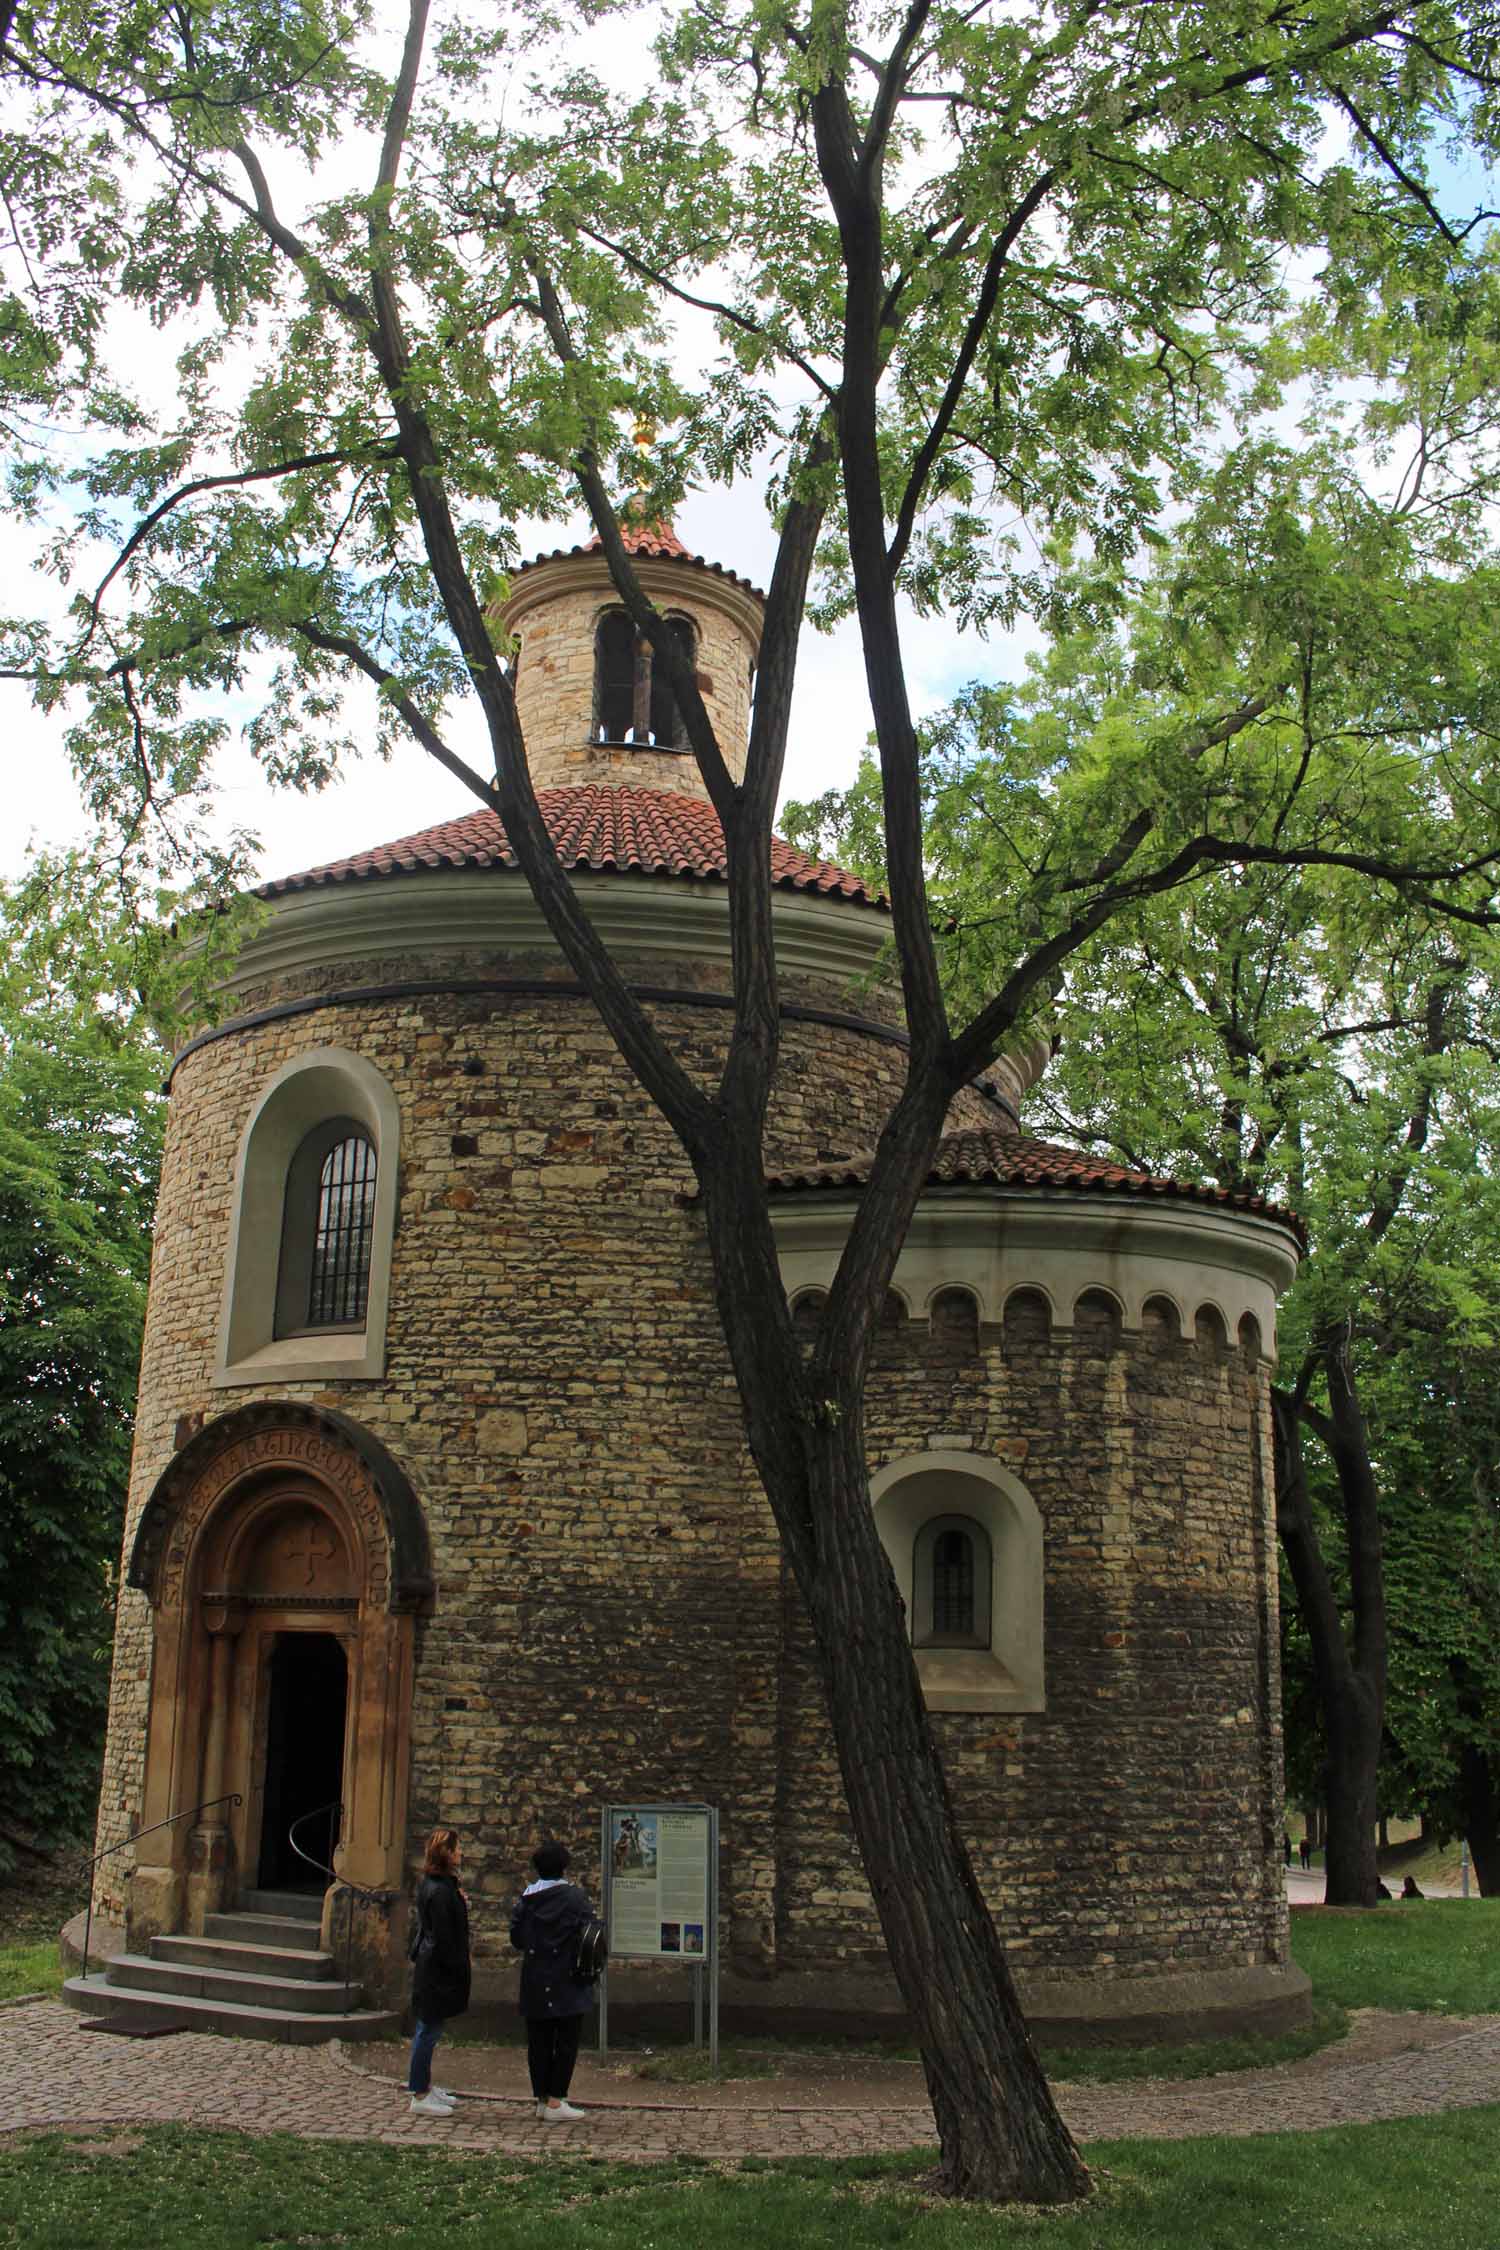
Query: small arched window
x,y
951,1584
633,699
328,1230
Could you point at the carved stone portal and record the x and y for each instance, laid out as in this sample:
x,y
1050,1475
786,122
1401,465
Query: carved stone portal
x,y
273,1523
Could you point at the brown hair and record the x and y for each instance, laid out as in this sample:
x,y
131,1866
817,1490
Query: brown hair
x,y
441,1845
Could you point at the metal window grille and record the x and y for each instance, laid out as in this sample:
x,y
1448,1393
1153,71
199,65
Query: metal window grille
x,y
953,1583
340,1282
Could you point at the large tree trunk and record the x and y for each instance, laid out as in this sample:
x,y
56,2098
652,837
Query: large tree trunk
x,y
1001,2136
1480,1800
1350,1683
1478,1783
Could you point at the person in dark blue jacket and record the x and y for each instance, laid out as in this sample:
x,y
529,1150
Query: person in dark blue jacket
x,y
440,1966
545,1926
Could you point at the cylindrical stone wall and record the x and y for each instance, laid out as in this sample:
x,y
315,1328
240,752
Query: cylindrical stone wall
x,y
612,1618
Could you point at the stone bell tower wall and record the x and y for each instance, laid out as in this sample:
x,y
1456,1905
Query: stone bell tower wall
x,y
551,616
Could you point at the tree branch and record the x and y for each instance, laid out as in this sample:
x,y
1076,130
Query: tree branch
x,y
892,85
979,321
1392,163
713,305
387,450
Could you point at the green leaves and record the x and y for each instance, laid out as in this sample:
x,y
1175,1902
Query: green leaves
x,y
79,1146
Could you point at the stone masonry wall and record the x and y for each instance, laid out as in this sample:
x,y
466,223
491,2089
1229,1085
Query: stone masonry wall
x,y
611,1619
1134,1825
558,1391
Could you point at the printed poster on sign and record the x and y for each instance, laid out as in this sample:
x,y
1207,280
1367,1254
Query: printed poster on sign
x,y
659,1883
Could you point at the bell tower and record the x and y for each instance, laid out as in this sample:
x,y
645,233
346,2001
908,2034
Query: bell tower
x,y
594,704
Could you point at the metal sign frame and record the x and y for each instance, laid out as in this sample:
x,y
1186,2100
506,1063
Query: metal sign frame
x,y
705,1968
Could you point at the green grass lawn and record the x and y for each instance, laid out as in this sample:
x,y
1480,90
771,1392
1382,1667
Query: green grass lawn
x,y
29,1968
1398,2186
1440,1954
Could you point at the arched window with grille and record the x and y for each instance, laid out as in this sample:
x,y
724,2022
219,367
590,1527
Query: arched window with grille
x,y
312,1225
633,699
951,1584
328,1225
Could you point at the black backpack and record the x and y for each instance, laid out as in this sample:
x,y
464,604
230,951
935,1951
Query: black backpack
x,y
592,1951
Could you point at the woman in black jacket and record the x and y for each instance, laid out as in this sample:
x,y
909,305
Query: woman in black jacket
x,y
440,1972
545,1926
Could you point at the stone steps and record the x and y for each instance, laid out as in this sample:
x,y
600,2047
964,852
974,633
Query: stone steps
x,y
251,1960
139,1972
284,1932
296,1906
96,1997
260,1975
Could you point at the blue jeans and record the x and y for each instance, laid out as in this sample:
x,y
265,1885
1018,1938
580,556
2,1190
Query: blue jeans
x,y
423,2040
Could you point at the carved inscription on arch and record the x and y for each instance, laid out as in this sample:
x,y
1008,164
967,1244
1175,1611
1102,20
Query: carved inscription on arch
x,y
227,1459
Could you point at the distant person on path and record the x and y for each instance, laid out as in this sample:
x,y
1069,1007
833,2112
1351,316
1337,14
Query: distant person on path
x,y
1411,1889
549,1915
1304,1853
1286,1847
440,1967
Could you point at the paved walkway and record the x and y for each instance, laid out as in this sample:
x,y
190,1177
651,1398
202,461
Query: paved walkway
x,y
63,2077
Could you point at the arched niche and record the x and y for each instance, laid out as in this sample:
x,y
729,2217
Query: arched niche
x,y
923,1488
1211,1333
276,1526
892,1330
1161,1323
316,1090
1097,1321
1252,1346
953,1325
1027,1320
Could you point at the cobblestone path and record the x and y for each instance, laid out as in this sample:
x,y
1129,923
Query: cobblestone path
x,y
62,2077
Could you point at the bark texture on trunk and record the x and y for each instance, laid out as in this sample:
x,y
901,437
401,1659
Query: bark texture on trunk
x,y
1481,1811
1001,2134
1002,2138
1350,1681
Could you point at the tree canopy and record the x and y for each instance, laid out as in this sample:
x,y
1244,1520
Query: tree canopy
x,y
985,295
79,1138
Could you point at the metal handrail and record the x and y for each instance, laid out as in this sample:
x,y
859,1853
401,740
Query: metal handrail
x,y
366,1896
86,1867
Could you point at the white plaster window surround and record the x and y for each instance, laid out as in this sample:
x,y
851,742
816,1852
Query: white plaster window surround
x,y
915,1498
312,1091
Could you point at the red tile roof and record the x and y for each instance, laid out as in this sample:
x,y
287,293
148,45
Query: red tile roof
x,y
608,830
646,539
995,1158
657,541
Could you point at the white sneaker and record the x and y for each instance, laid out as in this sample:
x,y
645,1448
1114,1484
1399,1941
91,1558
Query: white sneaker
x,y
430,2105
560,2113
444,2093
541,2109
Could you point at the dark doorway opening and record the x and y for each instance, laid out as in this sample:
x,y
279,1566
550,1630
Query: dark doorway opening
x,y
304,1759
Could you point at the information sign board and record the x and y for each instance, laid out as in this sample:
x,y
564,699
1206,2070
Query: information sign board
x,y
661,1886
659,1882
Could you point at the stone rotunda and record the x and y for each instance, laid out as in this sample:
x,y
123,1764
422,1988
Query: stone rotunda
x,y
441,1504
